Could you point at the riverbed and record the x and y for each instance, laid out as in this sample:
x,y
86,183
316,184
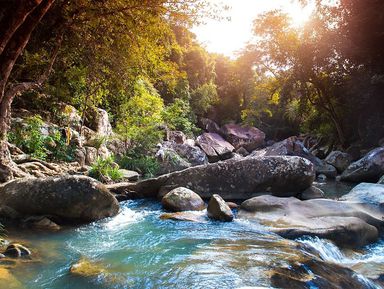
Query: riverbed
x,y
136,249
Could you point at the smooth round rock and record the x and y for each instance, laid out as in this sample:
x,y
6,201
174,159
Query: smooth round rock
x,y
311,193
16,251
219,210
182,199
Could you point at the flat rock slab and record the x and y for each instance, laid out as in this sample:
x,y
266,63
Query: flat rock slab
x,y
234,179
345,223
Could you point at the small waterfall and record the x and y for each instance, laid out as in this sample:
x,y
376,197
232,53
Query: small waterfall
x,y
326,249
329,252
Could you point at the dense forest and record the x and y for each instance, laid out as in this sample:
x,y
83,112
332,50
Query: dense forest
x,y
140,62
117,123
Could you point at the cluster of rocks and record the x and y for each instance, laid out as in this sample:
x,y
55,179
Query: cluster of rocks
x,y
90,141
182,199
233,141
217,143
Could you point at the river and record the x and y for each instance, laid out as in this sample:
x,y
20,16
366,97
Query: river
x,y
137,249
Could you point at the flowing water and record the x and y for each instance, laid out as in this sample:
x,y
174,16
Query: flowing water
x,y
139,250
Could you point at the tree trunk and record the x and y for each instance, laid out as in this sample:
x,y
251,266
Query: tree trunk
x,y
19,27
12,21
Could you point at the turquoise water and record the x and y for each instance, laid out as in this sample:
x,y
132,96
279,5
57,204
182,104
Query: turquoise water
x,y
139,250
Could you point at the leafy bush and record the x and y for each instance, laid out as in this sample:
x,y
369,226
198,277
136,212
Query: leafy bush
x,y
141,116
147,166
29,138
105,169
97,141
178,116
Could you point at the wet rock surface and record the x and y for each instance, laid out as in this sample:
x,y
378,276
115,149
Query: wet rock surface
x,y
345,223
219,210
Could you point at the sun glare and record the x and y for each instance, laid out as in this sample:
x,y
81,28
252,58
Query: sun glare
x,y
299,15
228,37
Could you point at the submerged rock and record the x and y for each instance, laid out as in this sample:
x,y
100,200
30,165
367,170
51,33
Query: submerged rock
x,y
9,281
345,223
70,198
182,199
183,216
235,179
314,273
368,169
86,268
219,210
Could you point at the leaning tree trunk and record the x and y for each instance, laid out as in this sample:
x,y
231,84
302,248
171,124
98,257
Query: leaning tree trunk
x,y
17,27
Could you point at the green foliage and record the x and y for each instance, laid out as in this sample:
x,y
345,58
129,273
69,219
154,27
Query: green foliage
x,y
2,234
29,138
147,166
104,169
203,97
140,117
178,116
97,141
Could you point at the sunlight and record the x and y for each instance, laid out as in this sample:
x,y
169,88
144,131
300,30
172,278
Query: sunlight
x,y
299,15
228,37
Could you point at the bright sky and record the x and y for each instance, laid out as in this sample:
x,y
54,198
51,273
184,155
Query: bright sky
x,y
227,37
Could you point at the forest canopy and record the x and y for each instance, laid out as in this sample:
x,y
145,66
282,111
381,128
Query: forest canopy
x,y
140,61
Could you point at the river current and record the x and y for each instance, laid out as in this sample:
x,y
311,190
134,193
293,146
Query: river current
x,y
139,250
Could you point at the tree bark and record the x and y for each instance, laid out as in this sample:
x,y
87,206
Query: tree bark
x,y
15,37
12,21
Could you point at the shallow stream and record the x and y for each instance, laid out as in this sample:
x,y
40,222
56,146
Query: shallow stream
x,y
139,250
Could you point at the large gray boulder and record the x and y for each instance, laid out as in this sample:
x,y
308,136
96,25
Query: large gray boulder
x,y
345,223
233,179
75,199
339,160
215,147
182,199
368,169
247,137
